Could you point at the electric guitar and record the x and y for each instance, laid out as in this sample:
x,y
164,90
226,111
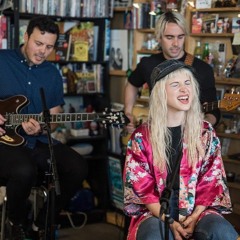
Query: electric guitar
x,y
10,107
229,102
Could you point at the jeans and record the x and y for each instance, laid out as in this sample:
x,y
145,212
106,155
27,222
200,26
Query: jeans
x,y
214,227
211,227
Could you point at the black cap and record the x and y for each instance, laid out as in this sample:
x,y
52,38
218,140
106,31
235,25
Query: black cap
x,y
166,67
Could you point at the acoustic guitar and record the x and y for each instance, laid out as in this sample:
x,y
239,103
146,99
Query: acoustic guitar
x,y
10,107
229,102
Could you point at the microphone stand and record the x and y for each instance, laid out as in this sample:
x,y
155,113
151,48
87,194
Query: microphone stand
x,y
166,196
52,175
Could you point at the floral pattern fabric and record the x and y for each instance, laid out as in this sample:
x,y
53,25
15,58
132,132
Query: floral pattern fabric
x,y
201,184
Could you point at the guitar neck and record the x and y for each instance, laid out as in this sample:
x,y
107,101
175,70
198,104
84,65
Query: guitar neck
x,y
17,119
211,106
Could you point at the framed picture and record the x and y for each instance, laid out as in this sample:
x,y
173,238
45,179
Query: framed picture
x,y
220,93
203,4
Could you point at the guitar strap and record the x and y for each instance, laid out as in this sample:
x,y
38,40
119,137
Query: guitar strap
x,y
189,59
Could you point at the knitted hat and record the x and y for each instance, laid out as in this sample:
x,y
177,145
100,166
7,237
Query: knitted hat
x,y
166,67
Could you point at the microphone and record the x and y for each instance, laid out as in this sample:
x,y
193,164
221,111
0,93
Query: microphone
x,y
164,200
46,112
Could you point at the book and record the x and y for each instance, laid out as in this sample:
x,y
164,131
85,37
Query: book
x,y
121,3
203,4
80,50
107,40
82,42
74,8
197,22
5,5
3,32
119,49
128,20
209,23
95,42
115,137
63,44
23,23
145,8
223,25
86,79
235,24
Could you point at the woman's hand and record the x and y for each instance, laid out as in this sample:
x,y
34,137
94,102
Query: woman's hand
x,y
179,232
189,224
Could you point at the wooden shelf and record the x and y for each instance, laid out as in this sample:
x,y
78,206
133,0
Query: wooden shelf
x,y
146,30
236,208
229,160
147,51
234,185
231,112
212,35
227,81
229,135
223,9
122,9
119,73
143,100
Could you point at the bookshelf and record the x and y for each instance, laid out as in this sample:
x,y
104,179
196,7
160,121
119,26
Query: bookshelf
x,y
98,98
230,141
137,37
118,76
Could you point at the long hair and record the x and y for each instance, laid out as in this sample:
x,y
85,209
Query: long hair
x,y
160,136
170,17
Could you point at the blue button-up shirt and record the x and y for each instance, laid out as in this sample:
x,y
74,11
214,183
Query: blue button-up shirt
x,y
18,78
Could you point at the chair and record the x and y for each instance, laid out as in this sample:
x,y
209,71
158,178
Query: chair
x,y
4,209
34,198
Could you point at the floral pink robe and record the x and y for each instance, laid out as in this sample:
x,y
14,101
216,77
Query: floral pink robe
x,y
203,184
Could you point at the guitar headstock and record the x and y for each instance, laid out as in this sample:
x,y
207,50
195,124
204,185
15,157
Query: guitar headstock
x,y
116,118
230,101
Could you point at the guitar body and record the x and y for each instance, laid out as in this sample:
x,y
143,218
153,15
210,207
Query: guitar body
x,y
12,105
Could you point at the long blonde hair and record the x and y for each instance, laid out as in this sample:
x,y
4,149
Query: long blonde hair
x,y
160,136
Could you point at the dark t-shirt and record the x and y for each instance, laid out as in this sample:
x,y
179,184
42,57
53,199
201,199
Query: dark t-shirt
x,y
204,73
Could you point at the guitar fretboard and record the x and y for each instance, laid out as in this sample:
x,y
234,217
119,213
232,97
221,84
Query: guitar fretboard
x,y
17,119
210,106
